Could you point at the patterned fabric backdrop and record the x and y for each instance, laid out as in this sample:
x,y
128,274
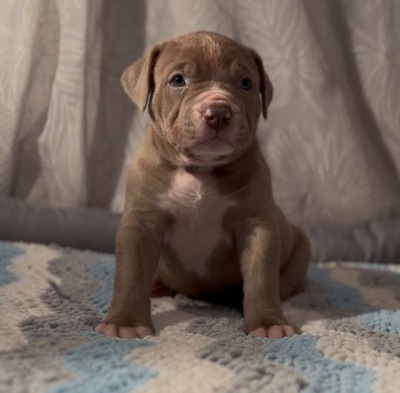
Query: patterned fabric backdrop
x,y
333,133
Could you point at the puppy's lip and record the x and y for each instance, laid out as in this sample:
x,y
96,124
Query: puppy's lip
x,y
211,149
205,161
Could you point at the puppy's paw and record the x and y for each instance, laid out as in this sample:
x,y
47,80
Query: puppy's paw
x,y
159,289
275,331
272,326
113,330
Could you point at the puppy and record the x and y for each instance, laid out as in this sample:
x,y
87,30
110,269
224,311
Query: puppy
x,y
200,217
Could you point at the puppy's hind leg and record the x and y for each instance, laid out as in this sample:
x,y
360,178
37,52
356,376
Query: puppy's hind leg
x,y
292,276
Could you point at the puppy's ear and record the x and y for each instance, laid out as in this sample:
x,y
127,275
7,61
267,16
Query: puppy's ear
x,y
266,89
138,79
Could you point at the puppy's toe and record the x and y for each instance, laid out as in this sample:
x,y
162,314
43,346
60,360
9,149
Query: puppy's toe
x,y
113,330
274,331
107,329
101,327
290,330
279,331
134,332
259,332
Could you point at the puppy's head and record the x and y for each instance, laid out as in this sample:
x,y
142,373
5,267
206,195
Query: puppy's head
x,y
204,94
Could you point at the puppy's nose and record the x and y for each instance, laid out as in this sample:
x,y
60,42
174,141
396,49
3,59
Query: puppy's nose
x,y
218,116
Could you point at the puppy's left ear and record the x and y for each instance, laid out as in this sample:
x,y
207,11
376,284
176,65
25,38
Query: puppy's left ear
x,y
138,79
266,89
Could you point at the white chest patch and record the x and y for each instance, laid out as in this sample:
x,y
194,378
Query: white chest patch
x,y
198,210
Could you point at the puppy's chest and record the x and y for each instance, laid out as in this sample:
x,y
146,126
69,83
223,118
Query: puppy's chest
x,y
198,210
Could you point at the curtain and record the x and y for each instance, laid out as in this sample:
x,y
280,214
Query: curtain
x,y
332,138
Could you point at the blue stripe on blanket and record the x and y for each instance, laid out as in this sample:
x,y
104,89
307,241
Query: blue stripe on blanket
x,y
324,375
383,321
8,252
338,295
103,270
101,368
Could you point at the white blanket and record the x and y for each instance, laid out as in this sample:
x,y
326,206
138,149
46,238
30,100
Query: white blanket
x,y
51,299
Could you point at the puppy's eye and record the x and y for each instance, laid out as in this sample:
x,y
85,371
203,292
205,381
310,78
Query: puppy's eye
x,y
246,84
177,80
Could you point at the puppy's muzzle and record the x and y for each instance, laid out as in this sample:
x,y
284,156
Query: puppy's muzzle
x,y
217,116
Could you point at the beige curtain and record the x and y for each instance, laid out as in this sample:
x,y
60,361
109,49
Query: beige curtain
x,y
332,138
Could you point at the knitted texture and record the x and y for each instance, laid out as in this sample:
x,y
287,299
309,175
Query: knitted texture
x,y
51,299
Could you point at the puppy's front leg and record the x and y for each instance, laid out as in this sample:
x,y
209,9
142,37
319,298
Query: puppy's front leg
x,y
259,247
137,254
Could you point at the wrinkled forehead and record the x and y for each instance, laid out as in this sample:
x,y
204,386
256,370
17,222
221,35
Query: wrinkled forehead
x,y
207,54
209,45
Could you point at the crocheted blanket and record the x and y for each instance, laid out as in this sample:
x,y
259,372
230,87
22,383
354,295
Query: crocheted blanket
x,y
51,299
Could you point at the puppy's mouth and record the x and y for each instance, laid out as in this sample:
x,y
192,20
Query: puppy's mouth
x,y
210,150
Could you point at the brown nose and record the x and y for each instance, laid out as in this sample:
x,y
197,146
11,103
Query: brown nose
x,y
218,116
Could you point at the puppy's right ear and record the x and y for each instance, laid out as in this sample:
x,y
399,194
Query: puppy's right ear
x,y
138,79
266,89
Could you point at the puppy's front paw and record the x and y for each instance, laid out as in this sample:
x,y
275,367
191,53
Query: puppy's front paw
x,y
273,326
275,331
114,330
